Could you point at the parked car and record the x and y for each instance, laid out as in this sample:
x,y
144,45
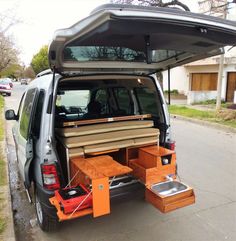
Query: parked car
x,y
102,103
24,81
9,81
6,86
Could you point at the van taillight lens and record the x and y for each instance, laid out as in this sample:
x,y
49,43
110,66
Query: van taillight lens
x,y
50,177
172,145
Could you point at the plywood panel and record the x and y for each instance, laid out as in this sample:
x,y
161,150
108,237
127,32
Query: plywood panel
x,y
72,142
204,81
102,128
104,120
231,86
107,166
101,196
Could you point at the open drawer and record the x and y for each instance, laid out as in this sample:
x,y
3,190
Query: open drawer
x,y
170,195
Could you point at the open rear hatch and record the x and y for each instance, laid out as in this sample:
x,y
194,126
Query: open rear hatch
x,y
140,40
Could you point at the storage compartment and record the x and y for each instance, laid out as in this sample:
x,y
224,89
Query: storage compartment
x,y
154,164
145,175
171,195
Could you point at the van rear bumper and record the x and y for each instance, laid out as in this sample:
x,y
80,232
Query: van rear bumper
x,y
44,196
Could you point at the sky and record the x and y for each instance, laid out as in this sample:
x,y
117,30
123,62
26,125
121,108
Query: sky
x,y
40,18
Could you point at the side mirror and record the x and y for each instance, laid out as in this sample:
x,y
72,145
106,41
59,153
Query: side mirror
x,y
10,115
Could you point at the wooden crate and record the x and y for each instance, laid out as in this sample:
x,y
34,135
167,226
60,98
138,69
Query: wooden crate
x,y
151,157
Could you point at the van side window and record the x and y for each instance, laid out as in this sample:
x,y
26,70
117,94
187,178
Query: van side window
x,y
20,106
26,112
38,115
147,100
102,97
123,100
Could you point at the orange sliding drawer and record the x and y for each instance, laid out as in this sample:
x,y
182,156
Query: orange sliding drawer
x,y
168,196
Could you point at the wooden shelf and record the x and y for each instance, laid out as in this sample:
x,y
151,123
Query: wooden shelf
x,y
105,120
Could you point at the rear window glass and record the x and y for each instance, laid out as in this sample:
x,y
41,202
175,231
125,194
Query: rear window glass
x,y
4,81
102,53
105,98
105,53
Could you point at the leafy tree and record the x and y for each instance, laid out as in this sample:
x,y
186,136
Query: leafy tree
x,y
8,51
154,3
13,71
29,73
39,61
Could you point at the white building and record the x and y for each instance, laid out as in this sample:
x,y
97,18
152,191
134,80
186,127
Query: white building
x,y
198,80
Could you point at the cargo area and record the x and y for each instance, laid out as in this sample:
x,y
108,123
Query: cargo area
x,y
112,139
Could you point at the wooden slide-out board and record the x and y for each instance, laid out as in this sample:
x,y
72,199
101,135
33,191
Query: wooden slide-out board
x,y
63,217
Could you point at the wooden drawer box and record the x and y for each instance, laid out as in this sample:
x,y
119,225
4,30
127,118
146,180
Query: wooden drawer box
x,y
151,156
148,175
169,203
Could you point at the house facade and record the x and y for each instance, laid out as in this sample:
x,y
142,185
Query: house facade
x,y
198,80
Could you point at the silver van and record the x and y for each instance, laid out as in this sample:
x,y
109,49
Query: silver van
x,y
101,101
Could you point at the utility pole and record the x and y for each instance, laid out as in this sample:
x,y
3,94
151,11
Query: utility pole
x,y
217,8
220,71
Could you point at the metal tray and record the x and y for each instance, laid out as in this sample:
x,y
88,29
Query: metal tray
x,y
168,188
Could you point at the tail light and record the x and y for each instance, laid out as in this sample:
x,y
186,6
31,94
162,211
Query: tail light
x,y
50,177
170,145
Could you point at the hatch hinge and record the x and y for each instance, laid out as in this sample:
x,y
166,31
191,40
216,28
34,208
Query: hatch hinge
x,y
148,49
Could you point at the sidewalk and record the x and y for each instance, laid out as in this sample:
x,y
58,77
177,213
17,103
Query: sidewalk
x,y
5,195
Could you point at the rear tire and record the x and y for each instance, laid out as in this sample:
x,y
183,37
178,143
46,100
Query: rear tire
x,y
46,222
8,94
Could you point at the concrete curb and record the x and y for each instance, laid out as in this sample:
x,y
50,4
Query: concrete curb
x,y
205,123
9,232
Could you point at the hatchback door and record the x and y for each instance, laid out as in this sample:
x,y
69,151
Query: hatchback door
x,y
140,40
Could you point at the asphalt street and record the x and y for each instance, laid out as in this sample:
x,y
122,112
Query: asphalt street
x,y
206,161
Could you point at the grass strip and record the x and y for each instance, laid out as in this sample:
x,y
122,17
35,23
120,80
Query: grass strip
x,y
200,115
1,120
2,165
2,224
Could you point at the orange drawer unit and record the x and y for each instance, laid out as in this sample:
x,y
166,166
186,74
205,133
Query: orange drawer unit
x,y
153,164
156,168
